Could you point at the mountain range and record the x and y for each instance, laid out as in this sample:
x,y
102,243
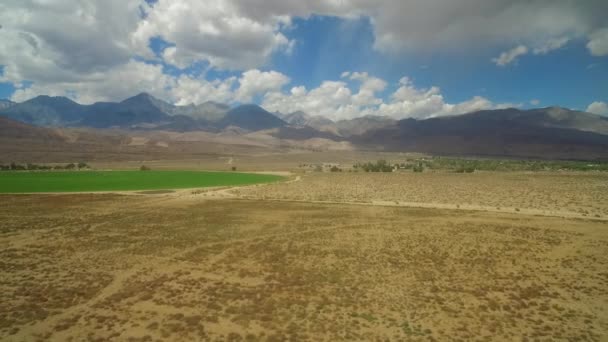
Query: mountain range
x,y
142,111
551,132
5,104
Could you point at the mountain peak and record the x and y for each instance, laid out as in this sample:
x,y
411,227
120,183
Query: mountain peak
x,y
143,96
45,99
249,106
5,103
251,117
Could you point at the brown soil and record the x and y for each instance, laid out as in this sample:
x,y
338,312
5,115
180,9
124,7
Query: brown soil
x,y
175,267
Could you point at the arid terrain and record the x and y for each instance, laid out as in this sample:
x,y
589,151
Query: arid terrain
x,y
279,262
571,194
321,170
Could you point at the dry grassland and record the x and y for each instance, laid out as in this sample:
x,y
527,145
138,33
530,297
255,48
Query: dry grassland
x,y
161,268
568,194
254,161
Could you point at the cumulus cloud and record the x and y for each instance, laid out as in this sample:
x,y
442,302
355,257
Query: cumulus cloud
x,y
598,42
242,34
137,76
95,50
598,107
215,31
410,101
60,40
255,82
329,99
196,90
336,100
510,56
112,85
368,88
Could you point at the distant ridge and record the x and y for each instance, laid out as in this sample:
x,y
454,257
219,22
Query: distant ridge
x,y
142,111
542,132
5,104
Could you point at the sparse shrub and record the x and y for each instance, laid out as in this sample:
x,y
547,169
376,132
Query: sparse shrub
x,y
144,168
465,169
418,168
70,166
379,166
83,165
335,169
233,168
28,166
17,167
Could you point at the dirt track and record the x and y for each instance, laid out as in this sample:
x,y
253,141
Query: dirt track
x,y
258,192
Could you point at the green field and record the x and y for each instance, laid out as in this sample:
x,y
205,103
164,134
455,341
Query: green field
x,y
77,181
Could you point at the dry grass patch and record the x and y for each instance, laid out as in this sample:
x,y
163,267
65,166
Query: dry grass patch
x,y
147,270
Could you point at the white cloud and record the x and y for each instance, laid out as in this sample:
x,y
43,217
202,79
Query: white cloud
x,y
216,31
135,76
112,85
550,45
462,24
598,42
368,89
535,102
334,99
598,107
91,49
330,99
193,90
510,56
409,101
255,82
58,41
444,24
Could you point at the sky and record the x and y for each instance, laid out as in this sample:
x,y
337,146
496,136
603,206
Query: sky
x,y
337,58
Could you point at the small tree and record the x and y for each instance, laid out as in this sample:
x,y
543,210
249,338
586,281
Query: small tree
x,y
233,168
70,166
83,165
335,169
418,168
144,168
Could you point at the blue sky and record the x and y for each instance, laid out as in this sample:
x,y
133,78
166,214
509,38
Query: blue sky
x,y
327,46
339,60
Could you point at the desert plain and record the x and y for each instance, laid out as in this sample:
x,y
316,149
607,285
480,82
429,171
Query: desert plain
x,y
320,256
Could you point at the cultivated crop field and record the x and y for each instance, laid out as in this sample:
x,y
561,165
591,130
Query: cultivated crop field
x,y
97,267
79,181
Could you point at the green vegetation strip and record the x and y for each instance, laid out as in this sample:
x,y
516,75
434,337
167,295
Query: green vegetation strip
x,y
85,181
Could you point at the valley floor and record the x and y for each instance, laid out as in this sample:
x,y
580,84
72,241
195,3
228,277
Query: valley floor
x,y
273,263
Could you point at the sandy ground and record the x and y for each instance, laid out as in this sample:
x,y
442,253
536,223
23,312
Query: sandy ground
x,y
227,265
572,195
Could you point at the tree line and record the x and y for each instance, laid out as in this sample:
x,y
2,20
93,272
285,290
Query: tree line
x,y
37,167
